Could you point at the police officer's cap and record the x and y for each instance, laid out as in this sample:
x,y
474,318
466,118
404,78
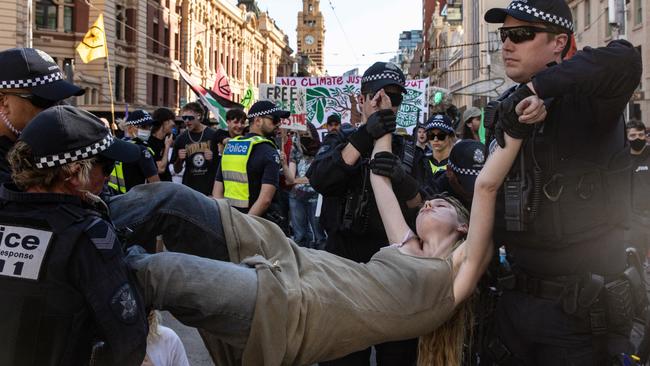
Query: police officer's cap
x,y
64,134
555,12
267,108
33,69
139,118
440,121
383,74
466,160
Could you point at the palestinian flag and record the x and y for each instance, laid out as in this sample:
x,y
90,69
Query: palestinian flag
x,y
205,97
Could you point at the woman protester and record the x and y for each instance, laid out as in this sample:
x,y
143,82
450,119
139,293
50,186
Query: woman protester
x,y
280,304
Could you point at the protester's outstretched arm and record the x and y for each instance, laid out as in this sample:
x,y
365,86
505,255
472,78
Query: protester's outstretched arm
x,y
389,209
471,258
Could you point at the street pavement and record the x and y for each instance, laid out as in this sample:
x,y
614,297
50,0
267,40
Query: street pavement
x,y
197,354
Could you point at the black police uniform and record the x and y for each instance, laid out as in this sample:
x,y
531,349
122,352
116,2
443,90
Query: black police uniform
x,y
639,233
138,172
571,251
64,284
349,211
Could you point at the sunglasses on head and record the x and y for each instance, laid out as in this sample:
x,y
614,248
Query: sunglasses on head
x,y
440,136
522,33
188,118
107,165
19,95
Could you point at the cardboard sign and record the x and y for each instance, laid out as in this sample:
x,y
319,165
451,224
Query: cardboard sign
x,y
291,98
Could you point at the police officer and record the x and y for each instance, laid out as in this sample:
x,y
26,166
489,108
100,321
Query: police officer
x,y
249,173
465,162
137,129
341,174
440,133
30,81
67,295
565,301
638,235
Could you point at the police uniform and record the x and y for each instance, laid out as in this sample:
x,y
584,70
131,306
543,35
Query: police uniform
x,y
639,235
443,123
564,206
35,70
127,175
466,160
349,211
67,295
249,161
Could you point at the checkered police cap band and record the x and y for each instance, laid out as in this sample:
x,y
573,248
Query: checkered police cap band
x,y
440,126
265,112
72,156
383,76
547,17
463,171
30,83
140,121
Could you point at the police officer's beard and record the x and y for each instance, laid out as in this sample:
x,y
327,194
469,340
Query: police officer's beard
x,y
8,123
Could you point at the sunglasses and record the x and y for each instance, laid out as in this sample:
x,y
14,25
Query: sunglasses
x,y
188,118
276,120
439,136
107,165
19,95
522,33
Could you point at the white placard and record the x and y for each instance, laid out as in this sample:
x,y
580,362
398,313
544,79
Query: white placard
x,y
22,251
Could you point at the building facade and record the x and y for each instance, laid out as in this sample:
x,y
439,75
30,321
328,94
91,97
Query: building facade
x,y
145,39
311,33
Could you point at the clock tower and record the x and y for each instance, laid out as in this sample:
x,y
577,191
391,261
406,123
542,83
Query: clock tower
x,y
311,32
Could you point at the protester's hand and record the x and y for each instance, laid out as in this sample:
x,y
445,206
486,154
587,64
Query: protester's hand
x,y
388,165
381,123
182,154
380,101
531,110
169,140
283,157
208,154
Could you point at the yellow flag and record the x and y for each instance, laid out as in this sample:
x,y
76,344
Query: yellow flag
x,y
93,46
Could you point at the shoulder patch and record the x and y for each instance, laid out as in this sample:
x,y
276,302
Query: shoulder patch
x,y
146,154
102,236
124,305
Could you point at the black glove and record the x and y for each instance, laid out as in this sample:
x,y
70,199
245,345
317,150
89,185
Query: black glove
x,y
362,141
381,123
508,120
388,165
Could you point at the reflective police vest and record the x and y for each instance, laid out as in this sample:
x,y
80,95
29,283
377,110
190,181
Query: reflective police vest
x,y
435,168
45,320
233,168
116,180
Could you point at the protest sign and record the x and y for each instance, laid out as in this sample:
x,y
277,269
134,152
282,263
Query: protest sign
x,y
290,98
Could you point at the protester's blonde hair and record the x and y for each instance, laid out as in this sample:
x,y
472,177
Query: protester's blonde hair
x,y
26,175
445,345
154,319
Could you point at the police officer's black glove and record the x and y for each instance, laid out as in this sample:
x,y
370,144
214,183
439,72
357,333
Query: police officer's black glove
x,y
362,141
388,165
381,123
508,120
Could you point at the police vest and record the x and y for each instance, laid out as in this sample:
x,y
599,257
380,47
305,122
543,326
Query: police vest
x,y
116,180
436,168
45,320
233,168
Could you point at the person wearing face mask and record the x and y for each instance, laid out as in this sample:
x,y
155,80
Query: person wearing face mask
x,y
125,176
68,297
30,81
638,234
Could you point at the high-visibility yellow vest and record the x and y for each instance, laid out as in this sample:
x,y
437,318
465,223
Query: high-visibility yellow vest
x,y
233,168
116,180
435,168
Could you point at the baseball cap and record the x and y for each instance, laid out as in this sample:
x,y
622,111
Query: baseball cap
x,y
440,121
471,113
382,74
466,160
555,12
64,134
35,70
267,108
139,117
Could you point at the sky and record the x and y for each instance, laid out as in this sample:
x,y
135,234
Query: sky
x,y
366,30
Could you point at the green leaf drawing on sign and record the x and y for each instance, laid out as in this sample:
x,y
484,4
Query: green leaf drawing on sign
x,y
317,92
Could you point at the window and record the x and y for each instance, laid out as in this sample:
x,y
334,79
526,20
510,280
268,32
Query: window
x,y
154,90
166,40
608,27
574,15
588,13
638,12
120,20
119,71
68,13
46,14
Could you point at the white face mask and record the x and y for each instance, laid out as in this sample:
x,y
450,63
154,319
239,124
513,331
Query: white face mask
x,y
144,134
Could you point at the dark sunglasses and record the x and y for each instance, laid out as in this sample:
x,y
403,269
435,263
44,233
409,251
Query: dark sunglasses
x,y
522,33
439,136
107,165
188,118
276,120
19,95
